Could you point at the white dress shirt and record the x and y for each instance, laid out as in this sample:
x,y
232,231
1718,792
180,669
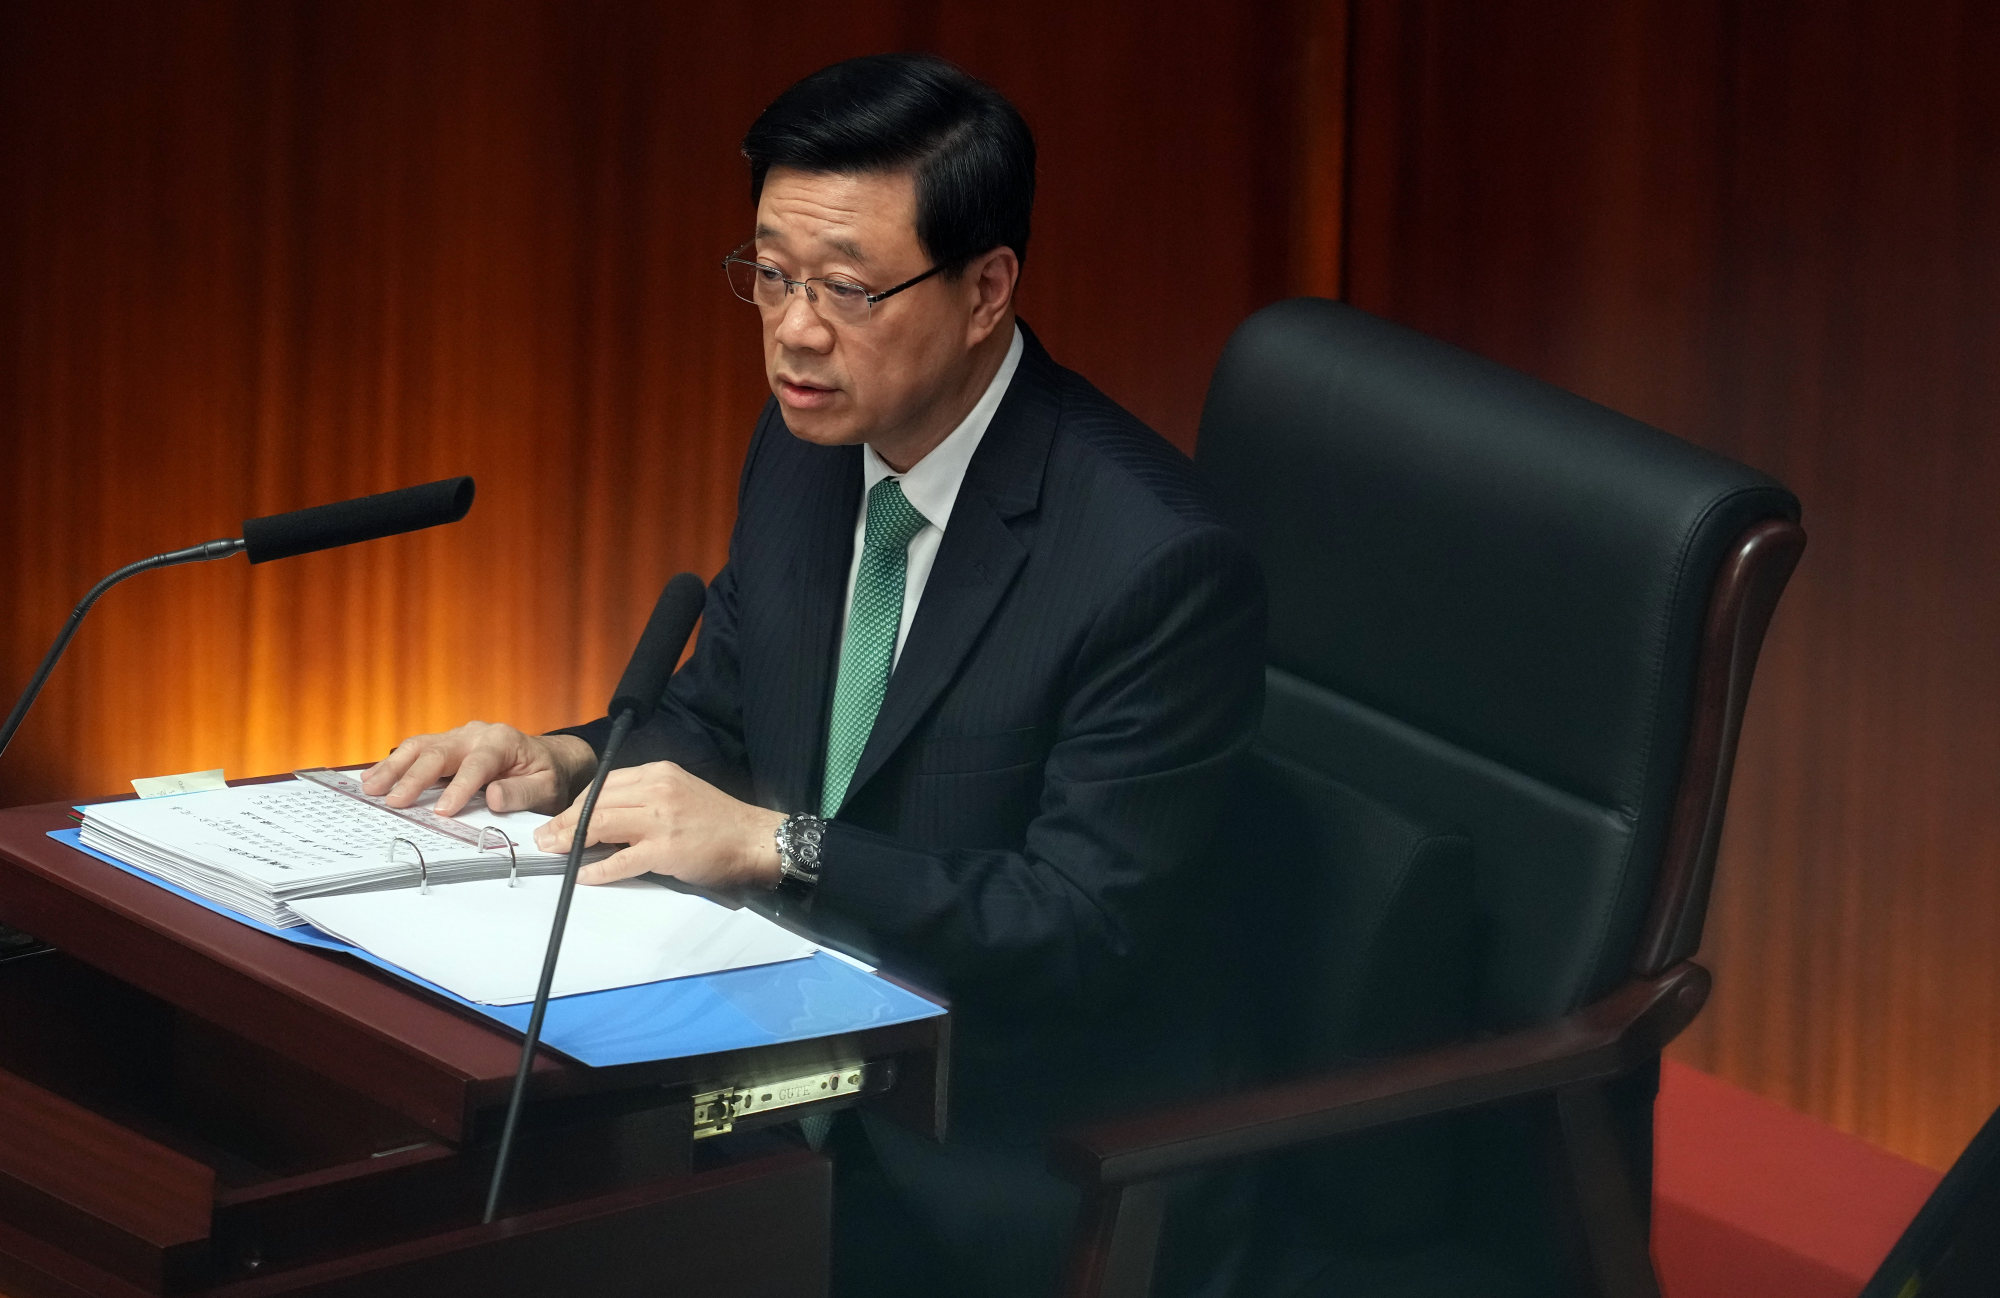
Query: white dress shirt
x,y
931,486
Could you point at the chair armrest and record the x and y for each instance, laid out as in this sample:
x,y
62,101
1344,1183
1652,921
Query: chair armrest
x,y
1600,1041
1739,611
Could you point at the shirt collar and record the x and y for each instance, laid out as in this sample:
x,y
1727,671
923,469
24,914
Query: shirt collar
x,y
932,483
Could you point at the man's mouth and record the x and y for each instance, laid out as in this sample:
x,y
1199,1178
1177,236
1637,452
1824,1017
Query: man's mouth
x,y
803,395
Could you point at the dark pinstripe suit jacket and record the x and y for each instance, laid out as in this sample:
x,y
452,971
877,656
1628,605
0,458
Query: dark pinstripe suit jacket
x,y
1026,831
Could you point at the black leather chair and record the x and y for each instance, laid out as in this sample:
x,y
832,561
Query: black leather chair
x,y
1952,1248
1512,634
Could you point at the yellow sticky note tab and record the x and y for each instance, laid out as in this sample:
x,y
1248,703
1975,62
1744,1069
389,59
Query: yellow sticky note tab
x,y
159,786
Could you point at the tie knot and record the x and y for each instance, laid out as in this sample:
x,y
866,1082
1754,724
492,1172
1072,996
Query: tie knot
x,y
892,519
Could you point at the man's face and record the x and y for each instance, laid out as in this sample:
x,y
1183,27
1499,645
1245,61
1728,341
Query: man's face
x,y
893,380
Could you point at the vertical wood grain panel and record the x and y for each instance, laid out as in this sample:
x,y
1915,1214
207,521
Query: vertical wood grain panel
x,y
1319,168
258,254
1166,153
1773,228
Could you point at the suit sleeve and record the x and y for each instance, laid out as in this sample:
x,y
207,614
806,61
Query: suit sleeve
x,y
1165,695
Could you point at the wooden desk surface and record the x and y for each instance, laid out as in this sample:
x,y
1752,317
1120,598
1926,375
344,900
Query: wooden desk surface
x,y
335,1121
366,1029
340,1017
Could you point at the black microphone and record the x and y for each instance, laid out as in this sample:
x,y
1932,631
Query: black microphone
x,y
659,648
653,660
365,518
275,536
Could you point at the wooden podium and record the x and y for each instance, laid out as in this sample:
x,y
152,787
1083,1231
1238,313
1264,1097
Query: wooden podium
x,y
189,1106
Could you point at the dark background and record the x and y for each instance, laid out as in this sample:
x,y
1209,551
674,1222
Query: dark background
x,y
264,253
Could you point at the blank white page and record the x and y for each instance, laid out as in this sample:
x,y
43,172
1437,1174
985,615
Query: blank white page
x,y
485,941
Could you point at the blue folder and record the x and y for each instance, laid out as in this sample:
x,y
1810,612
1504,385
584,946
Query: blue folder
x,y
734,1010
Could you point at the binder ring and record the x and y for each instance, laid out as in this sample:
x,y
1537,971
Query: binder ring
x,y
513,859
423,870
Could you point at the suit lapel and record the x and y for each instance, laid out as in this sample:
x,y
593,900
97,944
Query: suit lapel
x,y
983,548
827,490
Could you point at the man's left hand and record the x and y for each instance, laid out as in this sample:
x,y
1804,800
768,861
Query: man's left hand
x,y
673,823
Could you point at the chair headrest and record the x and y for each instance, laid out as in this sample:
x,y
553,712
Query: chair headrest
x,y
1505,565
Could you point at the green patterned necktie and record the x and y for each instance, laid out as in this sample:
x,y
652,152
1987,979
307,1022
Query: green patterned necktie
x,y
870,647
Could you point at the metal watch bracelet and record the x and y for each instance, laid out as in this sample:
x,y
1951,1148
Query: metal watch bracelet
x,y
798,837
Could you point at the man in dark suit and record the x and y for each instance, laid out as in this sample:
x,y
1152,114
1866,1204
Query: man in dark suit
x,y
967,691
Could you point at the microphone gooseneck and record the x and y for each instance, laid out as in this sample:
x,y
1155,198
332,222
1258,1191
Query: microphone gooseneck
x,y
653,660
275,536
193,554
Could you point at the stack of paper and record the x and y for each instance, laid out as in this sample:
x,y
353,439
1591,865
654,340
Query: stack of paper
x,y
486,941
259,847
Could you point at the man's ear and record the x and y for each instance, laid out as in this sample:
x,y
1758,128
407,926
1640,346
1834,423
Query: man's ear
x,y
989,281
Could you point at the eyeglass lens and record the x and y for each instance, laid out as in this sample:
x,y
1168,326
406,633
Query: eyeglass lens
x,y
766,287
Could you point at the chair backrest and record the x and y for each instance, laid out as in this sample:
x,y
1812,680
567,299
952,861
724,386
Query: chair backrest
x,y
1488,599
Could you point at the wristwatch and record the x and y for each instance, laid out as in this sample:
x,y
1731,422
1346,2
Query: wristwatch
x,y
798,836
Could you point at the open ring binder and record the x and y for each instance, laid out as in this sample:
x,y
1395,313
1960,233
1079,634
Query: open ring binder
x,y
423,870
513,858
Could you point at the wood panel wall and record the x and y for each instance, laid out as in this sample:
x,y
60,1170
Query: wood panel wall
x,y
1773,228
259,254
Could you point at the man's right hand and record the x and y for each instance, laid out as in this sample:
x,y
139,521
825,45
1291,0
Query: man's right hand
x,y
519,772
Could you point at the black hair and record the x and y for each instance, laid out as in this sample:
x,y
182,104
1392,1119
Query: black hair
x,y
971,153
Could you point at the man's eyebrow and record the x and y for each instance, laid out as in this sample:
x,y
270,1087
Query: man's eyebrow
x,y
848,249
845,247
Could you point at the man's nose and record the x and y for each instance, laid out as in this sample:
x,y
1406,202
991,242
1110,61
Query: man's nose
x,y
800,326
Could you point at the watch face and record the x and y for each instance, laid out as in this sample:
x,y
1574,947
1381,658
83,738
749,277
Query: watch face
x,y
798,849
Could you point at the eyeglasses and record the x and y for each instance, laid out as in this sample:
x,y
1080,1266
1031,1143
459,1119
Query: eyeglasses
x,y
835,297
